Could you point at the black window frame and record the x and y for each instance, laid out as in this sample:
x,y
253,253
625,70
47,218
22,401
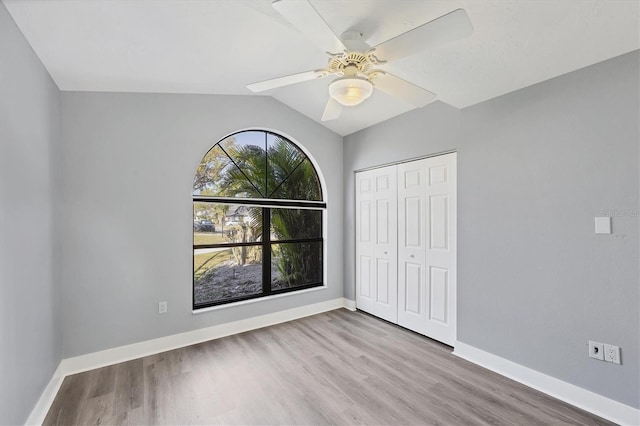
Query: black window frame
x,y
266,244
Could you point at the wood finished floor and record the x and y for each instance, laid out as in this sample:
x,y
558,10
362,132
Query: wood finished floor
x,y
338,367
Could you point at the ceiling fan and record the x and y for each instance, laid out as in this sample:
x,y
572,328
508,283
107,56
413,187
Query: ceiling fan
x,y
356,65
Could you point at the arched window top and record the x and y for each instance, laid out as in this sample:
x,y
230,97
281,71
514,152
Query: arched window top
x,y
257,164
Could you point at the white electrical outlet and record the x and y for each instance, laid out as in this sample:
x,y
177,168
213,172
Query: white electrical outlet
x,y
162,307
596,350
612,354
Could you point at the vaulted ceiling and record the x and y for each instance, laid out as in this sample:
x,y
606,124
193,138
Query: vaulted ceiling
x,y
220,46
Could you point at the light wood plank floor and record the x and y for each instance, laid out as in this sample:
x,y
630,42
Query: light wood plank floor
x,y
338,367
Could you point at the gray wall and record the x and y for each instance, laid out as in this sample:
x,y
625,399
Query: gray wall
x,y
534,169
30,328
127,167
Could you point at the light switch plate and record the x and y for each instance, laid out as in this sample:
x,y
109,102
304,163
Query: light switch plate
x,y
603,225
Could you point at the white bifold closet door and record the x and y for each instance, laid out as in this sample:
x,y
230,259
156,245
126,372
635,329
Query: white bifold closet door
x,y
406,245
377,243
427,247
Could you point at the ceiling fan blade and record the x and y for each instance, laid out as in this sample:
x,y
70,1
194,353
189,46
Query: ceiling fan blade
x,y
284,81
402,89
450,27
306,19
332,110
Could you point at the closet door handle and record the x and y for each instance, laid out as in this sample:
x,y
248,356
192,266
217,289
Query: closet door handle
x,y
411,256
385,252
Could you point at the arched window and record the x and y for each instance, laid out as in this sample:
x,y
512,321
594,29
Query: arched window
x,y
257,220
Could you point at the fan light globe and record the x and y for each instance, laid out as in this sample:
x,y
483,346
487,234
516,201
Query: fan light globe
x,y
350,91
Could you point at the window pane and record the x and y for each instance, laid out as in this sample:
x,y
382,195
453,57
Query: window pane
x,y
226,273
215,223
300,184
234,167
295,224
247,150
282,158
210,175
295,264
206,223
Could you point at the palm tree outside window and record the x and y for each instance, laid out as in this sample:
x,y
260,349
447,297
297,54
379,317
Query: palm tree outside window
x,y
257,220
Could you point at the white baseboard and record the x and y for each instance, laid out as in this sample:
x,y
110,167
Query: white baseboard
x,y
136,350
41,409
574,395
589,401
112,356
349,304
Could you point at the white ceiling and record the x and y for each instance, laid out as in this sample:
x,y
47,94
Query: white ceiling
x,y
220,46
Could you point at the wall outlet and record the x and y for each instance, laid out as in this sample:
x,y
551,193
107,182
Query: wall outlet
x,y
596,350
612,354
162,307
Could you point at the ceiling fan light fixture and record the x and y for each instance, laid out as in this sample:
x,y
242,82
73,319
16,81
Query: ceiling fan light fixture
x,y
350,91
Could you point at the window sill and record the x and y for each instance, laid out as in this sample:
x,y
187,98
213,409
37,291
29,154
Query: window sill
x,y
256,300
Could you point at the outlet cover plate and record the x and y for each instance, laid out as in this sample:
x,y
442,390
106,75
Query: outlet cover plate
x,y
612,353
162,307
596,350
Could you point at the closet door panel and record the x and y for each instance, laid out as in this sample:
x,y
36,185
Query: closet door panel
x,y
413,287
366,283
382,282
386,247
438,294
376,242
365,241
411,245
438,226
441,248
